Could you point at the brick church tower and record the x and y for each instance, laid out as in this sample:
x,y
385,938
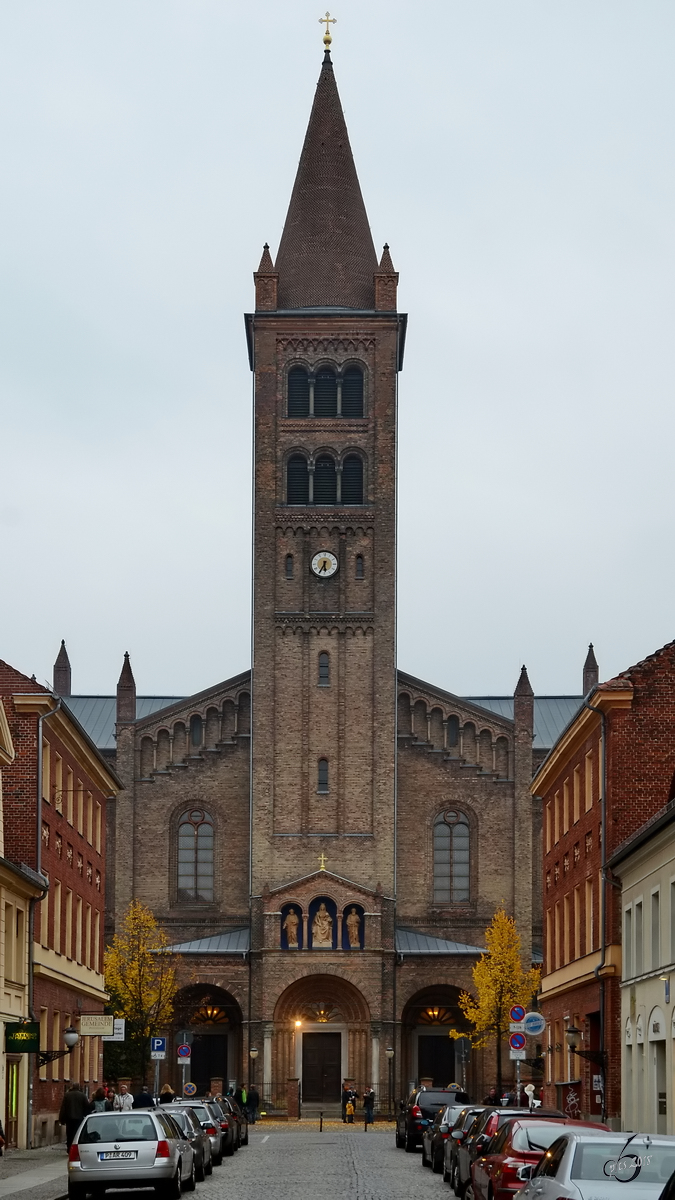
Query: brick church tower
x,y
326,344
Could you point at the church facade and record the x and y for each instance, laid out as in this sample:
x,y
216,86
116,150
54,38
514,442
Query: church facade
x,y
324,838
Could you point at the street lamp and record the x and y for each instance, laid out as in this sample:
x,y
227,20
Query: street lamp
x,y
389,1053
71,1037
253,1054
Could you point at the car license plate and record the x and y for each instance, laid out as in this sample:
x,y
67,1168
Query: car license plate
x,y
105,1155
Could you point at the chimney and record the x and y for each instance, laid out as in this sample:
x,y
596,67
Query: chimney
x,y
266,281
126,693
62,676
591,672
386,283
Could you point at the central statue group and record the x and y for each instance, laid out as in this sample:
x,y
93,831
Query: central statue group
x,y
322,929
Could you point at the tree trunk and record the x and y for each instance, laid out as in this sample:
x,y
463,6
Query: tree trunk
x,y
499,1062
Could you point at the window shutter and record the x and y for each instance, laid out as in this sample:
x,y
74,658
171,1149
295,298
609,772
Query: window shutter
x,y
352,480
325,481
298,392
325,394
352,393
297,490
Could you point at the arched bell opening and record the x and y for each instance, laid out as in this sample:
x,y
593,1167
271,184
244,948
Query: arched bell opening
x,y
322,1037
427,1049
209,1020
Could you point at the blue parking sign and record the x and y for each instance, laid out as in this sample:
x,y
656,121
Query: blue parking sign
x,y
158,1047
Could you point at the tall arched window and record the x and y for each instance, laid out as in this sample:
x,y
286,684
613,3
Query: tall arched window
x,y
298,392
325,393
195,857
297,480
324,669
352,480
289,566
325,480
322,780
352,392
451,858
359,567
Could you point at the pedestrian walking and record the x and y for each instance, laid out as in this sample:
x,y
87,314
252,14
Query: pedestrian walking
x,y
167,1094
123,1101
74,1108
253,1104
100,1102
369,1105
143,1099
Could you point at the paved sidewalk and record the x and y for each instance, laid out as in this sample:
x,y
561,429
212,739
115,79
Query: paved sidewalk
x,y
41,1172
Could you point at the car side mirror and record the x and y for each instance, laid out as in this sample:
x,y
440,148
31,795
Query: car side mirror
x,y
524,1173
444,1128
457,1134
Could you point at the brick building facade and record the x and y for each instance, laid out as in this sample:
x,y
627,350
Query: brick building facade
x,y
325,839
616,756
57,766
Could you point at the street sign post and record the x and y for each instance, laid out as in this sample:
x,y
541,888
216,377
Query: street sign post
x,y
517,1041
158,1047
189,1089
517,1056
119,1026
534,1024
184,1055
517,1013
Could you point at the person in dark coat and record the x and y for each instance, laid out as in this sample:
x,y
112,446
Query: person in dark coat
x,y
492,1097
167,1094
252,1103
74,1108
144,1099
369,1105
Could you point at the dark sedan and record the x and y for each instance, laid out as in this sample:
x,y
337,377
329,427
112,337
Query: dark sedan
x,y
192,1131
435,1135
460,1129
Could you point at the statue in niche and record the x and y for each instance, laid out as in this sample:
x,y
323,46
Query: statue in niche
x,y
322,929
354,930
291,926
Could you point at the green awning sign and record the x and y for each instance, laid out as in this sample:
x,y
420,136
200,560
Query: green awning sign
x,y
22,1037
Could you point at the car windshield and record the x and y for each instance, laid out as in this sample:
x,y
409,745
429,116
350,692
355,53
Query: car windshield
x,y
183,1121
129,1127
624,1161
536,1137
202,1113
432,1099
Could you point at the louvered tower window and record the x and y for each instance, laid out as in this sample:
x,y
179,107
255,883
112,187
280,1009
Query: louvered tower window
x,y
322,779
352,480
298,392
325,480
289,566
297,481
325,394
451,858
359,566
352,392
195,857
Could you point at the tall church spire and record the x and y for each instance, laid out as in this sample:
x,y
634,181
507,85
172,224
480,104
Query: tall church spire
x,y
326,255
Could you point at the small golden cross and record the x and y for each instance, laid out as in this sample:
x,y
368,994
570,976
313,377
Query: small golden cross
x,y
322,862
327,21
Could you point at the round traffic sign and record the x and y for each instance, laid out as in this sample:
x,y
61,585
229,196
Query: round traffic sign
x,y
517,1012
184,1051
190,1089
534,1024
517,1041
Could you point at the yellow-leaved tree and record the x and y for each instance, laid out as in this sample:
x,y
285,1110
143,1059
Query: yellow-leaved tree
x,y
499,982
140,975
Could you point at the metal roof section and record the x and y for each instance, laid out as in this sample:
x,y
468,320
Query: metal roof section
x,y
231,941
96,714
552,714
408,941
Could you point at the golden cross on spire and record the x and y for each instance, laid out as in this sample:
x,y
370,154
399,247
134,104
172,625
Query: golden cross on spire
x,y
322,862
327,21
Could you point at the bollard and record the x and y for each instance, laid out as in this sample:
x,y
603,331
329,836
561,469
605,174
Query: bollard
x,y
365,1121
321,1122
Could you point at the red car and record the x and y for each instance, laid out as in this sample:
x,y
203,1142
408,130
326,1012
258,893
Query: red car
x,y
494,1176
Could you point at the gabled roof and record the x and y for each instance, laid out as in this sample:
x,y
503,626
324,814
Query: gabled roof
x,y
409,941
326,254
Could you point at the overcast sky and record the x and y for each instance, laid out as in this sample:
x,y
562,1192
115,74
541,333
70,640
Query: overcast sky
x,y
517,156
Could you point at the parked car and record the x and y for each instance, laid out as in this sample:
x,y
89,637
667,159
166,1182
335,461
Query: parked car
x,y
460,1129
435,1135
417,1112
190,1126
481,1133
497,1175
586,1166
232,1110
210,1120
130,1150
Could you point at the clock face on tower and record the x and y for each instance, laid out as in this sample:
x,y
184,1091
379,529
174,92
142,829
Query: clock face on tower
x,y
324,564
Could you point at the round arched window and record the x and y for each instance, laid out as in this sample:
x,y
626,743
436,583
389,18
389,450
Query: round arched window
x,y
195,857
451,857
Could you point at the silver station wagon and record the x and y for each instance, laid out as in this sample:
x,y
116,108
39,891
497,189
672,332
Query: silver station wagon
x,y
135,1149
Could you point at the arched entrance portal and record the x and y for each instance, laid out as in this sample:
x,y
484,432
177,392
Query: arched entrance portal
x,y
428,1051
212,1019
321,1037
